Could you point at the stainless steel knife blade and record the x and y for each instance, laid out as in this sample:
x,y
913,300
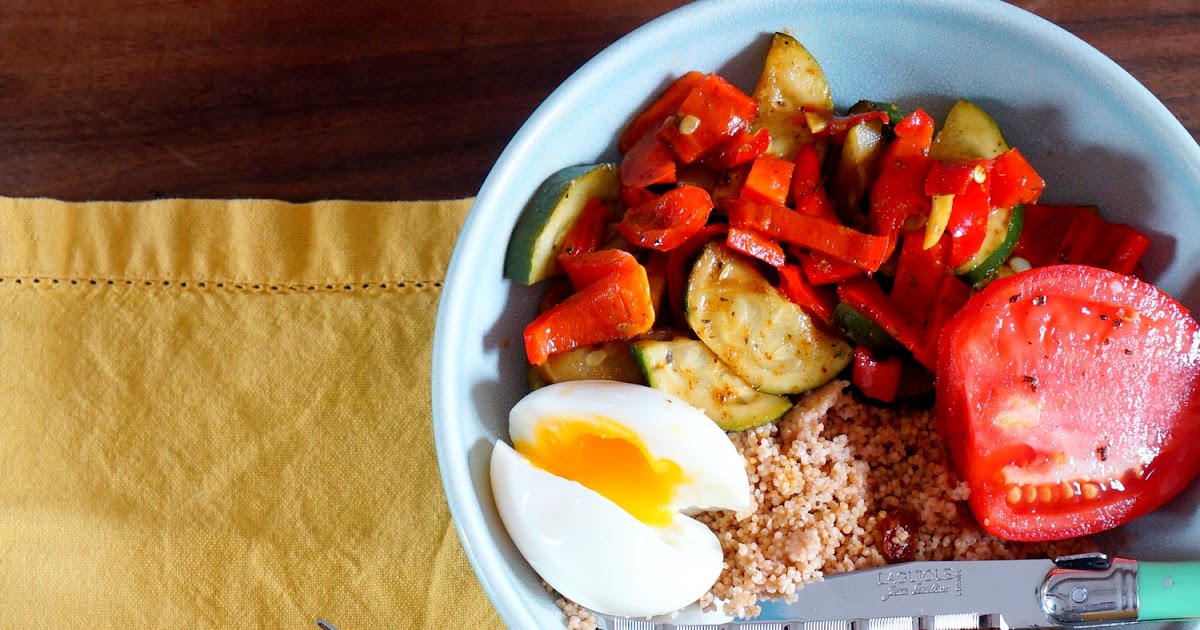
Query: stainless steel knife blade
x,y
958,595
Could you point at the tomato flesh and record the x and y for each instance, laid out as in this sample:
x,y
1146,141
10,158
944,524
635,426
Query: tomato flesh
x,y
1068,397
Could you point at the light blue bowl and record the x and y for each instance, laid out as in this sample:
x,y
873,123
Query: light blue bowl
x,y
1093,132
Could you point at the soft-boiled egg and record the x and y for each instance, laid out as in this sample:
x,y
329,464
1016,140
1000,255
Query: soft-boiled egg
x,y
597,491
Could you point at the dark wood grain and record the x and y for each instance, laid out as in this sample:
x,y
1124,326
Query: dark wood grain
x,y
367,99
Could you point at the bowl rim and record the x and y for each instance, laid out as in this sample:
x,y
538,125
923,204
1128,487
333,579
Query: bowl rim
x,y
467,517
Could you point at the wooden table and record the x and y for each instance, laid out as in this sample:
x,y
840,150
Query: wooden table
x,y
367,99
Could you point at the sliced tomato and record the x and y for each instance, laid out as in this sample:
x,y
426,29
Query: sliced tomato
x,y
1068,397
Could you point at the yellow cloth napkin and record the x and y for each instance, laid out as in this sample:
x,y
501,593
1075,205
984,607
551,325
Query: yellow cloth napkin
x,y
215,414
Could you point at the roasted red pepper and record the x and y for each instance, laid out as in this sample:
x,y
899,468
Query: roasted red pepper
x,y
1044,228
952,177
817,204
668,220
919,274
614,306
756,245
768,181
818,302
647,162
863,250
820,269
899,192
1014,181
586,268
653,116
1090,240
636,196
589,230
1077,234
740,149
968,222
711,114
868,298
877,376
806,177
951,295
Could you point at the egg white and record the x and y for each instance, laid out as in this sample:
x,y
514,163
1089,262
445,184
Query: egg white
x,y
588,548
595,553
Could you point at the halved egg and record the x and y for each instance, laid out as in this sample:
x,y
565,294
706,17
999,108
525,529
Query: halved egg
x,y
597,491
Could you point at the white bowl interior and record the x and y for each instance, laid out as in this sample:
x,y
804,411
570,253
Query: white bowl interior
x,y
1093,132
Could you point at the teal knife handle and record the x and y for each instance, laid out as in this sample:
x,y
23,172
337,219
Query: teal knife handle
x,y
1168,590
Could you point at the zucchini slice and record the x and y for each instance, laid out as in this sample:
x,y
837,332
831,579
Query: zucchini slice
x,y
1003,229
863,330
857,166
550,214
688,369
762,336
605,361
969,133
791,84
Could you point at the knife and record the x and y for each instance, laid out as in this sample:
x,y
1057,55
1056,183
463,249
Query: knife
x,y
1084,590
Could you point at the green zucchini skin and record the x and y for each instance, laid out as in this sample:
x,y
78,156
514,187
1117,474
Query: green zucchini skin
x,y
536,240
761,335
997,246
863,330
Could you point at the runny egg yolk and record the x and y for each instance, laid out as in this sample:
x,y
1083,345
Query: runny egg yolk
x,y
610,459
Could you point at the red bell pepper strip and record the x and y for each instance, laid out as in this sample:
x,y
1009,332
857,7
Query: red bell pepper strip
x,y
951,295
899,191
806,178
818,302
616,306
679,265
817,204
952,176
877,376
1090,240
865,296
863,250
1044,228
968,223
756,245
585,268
914,135
1014,181
668,220
636,196
768,181
919,274
653,116
820,269
741,148
709,116
1077,234
647,162
589,230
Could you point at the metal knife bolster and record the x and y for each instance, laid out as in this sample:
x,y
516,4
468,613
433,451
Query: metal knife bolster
x,y
1091,589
